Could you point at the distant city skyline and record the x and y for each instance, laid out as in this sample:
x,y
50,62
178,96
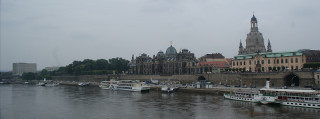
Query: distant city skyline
x,y
55,33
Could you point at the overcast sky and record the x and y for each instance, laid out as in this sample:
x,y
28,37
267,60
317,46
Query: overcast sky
x,y
57,32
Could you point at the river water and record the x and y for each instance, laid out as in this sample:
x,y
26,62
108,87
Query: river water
x,y
70,102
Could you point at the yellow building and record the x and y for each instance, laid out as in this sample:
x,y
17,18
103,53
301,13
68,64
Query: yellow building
x,y
269,61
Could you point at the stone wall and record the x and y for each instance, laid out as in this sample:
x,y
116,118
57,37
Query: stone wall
x,y
258,79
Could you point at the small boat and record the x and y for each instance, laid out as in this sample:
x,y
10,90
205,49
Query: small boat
x,y
109,85
169,89
41,84
165,88
83,84
130,85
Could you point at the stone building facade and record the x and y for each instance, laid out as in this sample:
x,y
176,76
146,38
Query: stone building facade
x,y
268,62
168,63
254,41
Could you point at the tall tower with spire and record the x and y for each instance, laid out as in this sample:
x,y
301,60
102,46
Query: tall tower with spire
x,y
269,46
241,49
254,41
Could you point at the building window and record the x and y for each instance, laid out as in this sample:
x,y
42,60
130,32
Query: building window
x,y
277,61
249,62
297,67
240,63
263,69
286,61
244,62
262,61
274,61
291,60
297,60
281,61
237,63
268,61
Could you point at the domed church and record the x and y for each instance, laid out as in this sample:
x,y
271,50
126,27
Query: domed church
x,y
254,41
168,63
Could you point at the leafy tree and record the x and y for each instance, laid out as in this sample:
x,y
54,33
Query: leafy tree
x,y
94,67
28,76
313,65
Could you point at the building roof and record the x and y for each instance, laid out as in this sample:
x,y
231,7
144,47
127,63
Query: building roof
x,y
171,51
253,18
216,64
268,55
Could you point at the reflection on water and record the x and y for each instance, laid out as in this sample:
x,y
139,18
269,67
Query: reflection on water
x,y
30,102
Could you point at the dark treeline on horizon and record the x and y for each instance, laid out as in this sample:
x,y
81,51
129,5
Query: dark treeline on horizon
x,y
94,67
85,67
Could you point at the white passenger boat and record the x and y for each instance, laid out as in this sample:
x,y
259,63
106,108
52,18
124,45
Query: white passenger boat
x,y
242,96
292,97
109,85
130,85
289,97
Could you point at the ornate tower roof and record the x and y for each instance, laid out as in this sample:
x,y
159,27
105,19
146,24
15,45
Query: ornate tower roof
x,y
254,24
269,46
160,54
253,18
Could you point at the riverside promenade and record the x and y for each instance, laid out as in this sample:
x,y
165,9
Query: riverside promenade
x,y
214,90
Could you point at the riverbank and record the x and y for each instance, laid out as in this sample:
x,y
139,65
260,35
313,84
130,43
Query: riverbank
x,y
214,90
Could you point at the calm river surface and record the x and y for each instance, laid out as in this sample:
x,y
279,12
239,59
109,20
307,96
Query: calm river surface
x,y
70,102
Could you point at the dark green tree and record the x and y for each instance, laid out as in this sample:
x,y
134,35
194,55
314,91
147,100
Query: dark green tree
x,y
312,65
28,76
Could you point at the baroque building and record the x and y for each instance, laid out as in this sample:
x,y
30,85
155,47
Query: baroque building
x,y
168,63
254,41
269,62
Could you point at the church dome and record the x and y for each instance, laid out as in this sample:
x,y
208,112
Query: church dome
x,y
160,54
171,51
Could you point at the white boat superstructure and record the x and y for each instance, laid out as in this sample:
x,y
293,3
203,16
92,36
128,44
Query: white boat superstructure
x,y
289,97
242,96
292,97
130,85
109,85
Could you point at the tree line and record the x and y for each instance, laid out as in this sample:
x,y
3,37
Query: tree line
x,y
85,67
94,67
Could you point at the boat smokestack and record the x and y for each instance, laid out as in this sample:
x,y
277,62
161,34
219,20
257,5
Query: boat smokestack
x,y
268,83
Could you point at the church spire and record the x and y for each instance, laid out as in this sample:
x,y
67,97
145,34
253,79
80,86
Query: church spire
x,y
269,46
254,24
241,49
